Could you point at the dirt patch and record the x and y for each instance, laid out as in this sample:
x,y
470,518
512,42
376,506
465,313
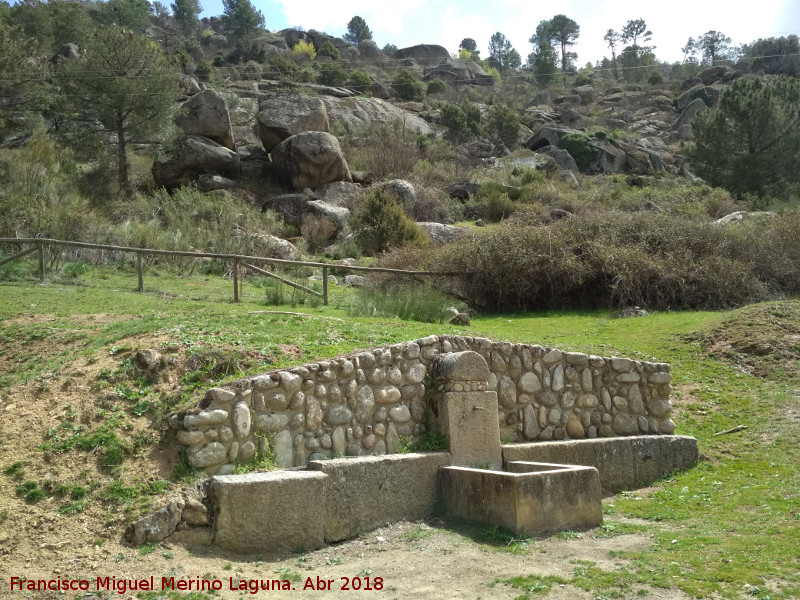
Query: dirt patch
x,y
76,319
412,560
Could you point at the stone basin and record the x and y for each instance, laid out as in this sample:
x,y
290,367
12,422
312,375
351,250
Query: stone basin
x,y
528,498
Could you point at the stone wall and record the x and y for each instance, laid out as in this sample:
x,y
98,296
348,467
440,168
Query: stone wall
x,y
366,402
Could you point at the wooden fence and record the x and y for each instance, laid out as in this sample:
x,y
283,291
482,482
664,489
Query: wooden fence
x,y
239,261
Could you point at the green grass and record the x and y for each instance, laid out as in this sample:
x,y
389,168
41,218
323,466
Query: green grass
x,y
731,524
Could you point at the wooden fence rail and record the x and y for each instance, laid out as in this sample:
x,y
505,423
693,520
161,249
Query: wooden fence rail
x,y
243,260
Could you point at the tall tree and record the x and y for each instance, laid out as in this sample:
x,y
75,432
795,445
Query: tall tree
x,y
125,82
185,13
635,31
543,62
714,46
21,81
612,38
560,31
130,14
357,31
750,142
470,46
241,18
775,55
502,55
689,51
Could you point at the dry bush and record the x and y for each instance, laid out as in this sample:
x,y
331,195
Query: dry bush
x,y
594,260
388,151
317,231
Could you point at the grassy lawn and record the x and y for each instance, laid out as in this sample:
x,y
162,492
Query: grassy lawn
x,y
729,528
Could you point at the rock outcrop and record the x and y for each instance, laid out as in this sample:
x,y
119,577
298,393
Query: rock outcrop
x,y
423,54
284,115
206,114
309,160
194,156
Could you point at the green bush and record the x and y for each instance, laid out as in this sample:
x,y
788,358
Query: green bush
x,y
332,74
491,203
436,86
380,223
504,125
360,81
579,148
329,50
280,67
407,87
462,120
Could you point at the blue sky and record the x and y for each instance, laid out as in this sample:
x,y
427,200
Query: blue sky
x,y
409,22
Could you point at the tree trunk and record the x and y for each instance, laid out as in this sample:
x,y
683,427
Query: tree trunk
x,y
563,57
122,156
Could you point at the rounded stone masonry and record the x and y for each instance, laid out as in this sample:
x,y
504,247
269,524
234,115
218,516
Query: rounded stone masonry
x,y
367,400
463,366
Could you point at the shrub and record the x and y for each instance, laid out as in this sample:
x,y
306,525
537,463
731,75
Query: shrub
x,y
304,48
380,223
332,74
491,203
592,260
360,81
407,87
462,120
251,71
281,67
317,231
436,86
329,50
504,125
203,69
579,148
388,151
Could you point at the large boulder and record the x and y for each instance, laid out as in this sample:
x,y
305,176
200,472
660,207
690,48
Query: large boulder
x,y
690,113
309,160
459,73
188,85
206,114
284,115
549,136
402,190
562,158
295,208
369,50
708,94
443,234
360,114
586,92
423,54
610,158
271,246
194,156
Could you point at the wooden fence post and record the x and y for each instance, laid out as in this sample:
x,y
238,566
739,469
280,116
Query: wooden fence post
x,y
235,279
325,286
41,262
139,271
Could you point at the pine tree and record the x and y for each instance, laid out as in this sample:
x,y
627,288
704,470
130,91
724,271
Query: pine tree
x,y
357,31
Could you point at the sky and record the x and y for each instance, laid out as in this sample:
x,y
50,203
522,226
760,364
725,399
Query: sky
x,y
409,22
